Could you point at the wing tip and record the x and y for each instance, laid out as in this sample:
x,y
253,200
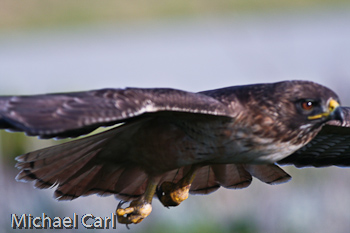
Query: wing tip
x,y
240,185
280,180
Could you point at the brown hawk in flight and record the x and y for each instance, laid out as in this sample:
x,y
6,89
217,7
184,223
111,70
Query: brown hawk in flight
x,y
169,143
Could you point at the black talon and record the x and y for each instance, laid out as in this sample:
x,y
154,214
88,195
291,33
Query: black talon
x,y
120,204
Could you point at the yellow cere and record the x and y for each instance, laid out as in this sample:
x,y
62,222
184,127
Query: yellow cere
x,y
333,104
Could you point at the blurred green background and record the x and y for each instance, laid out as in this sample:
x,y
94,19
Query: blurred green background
x,y
58,46
53,13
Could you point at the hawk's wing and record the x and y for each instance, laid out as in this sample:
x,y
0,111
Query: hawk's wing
x,y
74,114
330,147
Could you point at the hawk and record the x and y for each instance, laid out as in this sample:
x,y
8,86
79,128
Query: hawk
x,y
168,143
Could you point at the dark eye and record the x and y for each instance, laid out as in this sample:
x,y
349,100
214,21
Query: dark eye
x,y
307,105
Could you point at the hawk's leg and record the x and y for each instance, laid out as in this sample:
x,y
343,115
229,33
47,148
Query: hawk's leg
x,y
139,208
172,194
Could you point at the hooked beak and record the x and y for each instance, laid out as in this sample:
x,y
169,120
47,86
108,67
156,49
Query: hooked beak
x,y
334,112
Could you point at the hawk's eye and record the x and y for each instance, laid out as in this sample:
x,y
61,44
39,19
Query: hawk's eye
x,y
307,105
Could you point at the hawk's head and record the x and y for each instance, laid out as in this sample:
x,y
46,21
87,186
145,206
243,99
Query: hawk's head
x,y
308,103
293,110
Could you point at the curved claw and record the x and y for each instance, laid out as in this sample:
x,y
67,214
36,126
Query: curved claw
x,y
120,205
135,213
140,208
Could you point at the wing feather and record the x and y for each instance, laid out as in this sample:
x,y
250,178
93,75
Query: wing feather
x,y
330,147
268,173
235,176
232,176
73,114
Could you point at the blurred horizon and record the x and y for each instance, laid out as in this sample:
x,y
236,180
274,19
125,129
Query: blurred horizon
x,y
33,14
62,46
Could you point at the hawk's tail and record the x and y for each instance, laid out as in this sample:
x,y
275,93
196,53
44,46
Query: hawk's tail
x,y
76,170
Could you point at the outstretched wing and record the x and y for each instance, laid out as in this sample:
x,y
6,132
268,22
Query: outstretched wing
x,y
73,114
330,147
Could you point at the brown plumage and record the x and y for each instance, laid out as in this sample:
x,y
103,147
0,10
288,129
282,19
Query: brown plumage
x,y
225,137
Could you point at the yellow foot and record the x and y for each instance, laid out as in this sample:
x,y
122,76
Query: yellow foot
x,y
135,213
172,194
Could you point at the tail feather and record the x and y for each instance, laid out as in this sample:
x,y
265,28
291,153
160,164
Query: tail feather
x,y
59,171
126,183
132,182
74,168
268,173
232,176
78,186
106,181
43,157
